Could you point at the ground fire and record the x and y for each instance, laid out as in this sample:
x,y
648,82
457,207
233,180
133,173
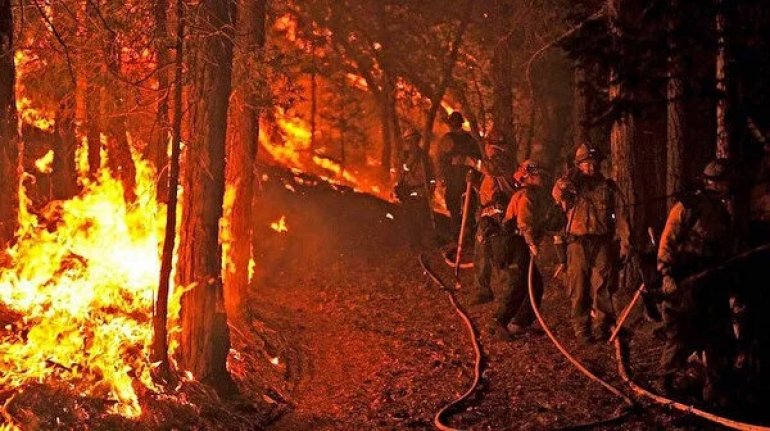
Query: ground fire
x,y
325,215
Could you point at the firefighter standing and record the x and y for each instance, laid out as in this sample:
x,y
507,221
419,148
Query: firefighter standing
x,y
596,221
526,217
455,147
696,315
415,179
497,187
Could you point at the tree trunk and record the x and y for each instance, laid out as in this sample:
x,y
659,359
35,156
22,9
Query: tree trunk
x,y
156,152
622,133
64,175
675,123
205,339
94,130
9,138
580,108
160,316
81,74
119,158
502,91
313,97
723,149
241,166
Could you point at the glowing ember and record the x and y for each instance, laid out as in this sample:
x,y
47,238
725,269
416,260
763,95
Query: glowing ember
x,y
274,360
389,216
45,164
280,225
83,276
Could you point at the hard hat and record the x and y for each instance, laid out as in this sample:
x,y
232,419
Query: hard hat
x,y
584,152
411,132
530,167
455,119
718,169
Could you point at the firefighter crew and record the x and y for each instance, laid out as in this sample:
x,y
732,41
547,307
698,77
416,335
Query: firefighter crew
x,y
525,222
454,148
696,316
596,225
415,181
496,188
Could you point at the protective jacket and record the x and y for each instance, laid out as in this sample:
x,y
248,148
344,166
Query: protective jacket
x,y
414,171
697,234
528,211
594,206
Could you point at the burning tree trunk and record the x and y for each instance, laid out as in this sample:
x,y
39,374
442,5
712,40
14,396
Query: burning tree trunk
x,y
205,340
156,151
9,139
160,316
94,130
64,175
242,154
675,107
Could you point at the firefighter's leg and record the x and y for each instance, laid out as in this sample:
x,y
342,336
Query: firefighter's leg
x,y
602,280
680,341
577,278
482,270
511,290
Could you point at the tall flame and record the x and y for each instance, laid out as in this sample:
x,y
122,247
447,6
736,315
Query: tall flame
x,y
83,276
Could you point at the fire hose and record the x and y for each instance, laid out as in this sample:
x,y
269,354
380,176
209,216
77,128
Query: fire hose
x,y
438,419
628,403
669,403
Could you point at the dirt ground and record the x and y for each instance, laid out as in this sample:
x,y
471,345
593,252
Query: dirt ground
x,y
365,341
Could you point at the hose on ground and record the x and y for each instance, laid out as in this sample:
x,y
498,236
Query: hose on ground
x,y
438,420
671,404
628,403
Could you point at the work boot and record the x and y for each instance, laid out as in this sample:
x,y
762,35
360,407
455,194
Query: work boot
x,y
497,330
585,337
516,330
601,333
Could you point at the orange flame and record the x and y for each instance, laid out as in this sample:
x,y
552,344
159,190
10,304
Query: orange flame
x,y
85,288
280,225
45,164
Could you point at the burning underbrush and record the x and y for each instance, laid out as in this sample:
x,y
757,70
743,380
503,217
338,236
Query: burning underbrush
x,y
81,279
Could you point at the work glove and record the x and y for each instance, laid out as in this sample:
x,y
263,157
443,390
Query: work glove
x,y
533,250
669,287
561,250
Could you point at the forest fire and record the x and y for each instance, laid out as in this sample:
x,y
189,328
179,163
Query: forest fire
x,y
280,225
82,278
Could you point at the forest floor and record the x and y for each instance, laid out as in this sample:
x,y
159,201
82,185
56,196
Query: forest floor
x,y
367,342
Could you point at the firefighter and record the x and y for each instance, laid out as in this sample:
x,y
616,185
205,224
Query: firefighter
x,y
454,148
526,219
415,181
497,187
696,316
596,225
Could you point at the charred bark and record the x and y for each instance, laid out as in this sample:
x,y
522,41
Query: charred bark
x,y
205,339
242,154
9,138
723,149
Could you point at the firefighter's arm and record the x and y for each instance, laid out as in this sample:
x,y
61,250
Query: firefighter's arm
x,y
525,217
671,239
622,223
563,193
